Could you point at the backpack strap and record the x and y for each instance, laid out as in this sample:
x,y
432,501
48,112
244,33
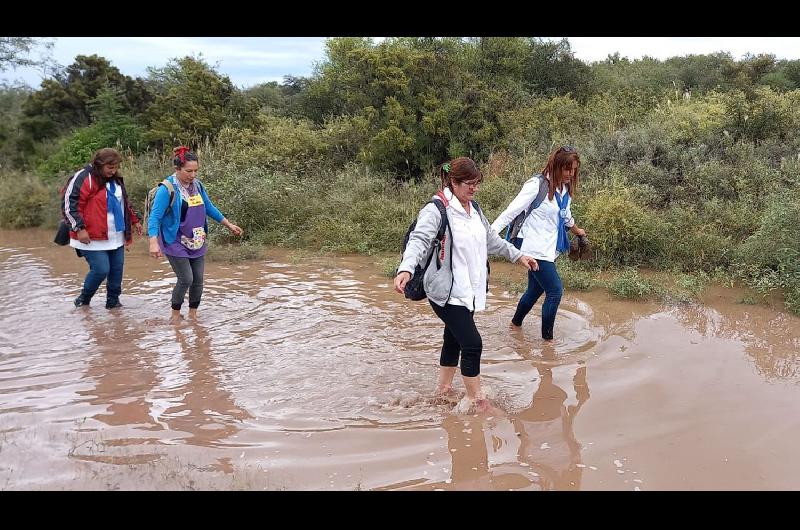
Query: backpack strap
x,y
439,241
443,224
516,224
544,188
477,207
167,184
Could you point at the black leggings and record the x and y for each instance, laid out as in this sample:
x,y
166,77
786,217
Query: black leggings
x,y
460,336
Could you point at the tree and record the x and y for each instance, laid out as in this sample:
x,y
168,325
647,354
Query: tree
x,y
62,103
393,91
791,70
11,100
551,69
192,101
269,96
111,126
14,51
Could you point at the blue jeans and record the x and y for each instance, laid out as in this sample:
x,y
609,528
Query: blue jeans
x,y
545,280
104,264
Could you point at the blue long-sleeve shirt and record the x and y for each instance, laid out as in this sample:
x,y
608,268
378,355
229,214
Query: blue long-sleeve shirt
x,y
168,220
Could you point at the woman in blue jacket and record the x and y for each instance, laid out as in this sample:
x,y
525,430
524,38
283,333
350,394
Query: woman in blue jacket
x,y
178,228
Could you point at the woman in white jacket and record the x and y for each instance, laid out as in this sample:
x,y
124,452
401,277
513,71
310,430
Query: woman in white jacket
x,y
544,232
456,287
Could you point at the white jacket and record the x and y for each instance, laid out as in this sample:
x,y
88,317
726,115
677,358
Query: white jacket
x,y
539,233
462,277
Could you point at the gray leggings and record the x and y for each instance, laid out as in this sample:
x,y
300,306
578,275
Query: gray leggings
x,y
190,276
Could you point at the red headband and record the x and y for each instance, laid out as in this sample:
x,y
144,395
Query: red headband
x,y
181,153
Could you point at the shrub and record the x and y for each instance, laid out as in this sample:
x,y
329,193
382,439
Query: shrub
x,y
26,201
629,284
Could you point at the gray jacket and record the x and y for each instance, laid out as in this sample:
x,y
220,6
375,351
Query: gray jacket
x,y
438,283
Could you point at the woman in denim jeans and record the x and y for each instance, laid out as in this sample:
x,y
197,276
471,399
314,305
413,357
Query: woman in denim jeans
x,y
543,235
100,220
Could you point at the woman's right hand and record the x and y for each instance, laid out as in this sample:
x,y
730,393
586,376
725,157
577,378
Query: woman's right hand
x,y
155,251
83,236
401,280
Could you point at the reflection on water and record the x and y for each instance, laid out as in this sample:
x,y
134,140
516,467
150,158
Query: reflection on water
x,y
530,448
771,340
314,374
174,389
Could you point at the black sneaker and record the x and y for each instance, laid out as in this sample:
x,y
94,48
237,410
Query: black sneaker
x,y
81,301
112,305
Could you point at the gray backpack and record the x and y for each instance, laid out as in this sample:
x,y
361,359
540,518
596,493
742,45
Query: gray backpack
x,y
151,195
516,225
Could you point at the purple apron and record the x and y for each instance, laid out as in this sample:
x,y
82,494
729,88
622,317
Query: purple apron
x,y
190,241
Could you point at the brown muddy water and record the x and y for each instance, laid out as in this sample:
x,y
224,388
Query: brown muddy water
x,y
310,373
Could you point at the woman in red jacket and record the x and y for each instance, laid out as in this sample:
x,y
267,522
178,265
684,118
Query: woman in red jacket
x,y
100,216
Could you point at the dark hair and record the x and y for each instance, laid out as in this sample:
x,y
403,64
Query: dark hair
x,y
458,170
182,155
105,156
559,160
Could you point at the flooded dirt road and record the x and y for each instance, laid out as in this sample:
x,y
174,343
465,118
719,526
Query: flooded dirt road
x,y
310,373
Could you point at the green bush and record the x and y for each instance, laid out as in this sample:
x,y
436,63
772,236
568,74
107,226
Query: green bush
x,y
792,301
26,201
573,277
694,241
275,144
631,285
770,258
689,287
543,123
762,114
77,149
692,120
388,265
622,231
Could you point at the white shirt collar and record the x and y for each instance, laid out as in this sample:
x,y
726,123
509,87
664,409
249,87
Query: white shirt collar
x,y
455,203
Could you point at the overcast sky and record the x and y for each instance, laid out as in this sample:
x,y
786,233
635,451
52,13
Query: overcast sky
x,y
252,60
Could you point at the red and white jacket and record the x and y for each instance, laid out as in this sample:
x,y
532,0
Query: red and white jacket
x,y
86,205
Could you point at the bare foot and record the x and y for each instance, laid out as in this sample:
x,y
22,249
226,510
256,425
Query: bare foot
x,y
175,318
484,406
448,394
193,314
480,405
548,350
514,327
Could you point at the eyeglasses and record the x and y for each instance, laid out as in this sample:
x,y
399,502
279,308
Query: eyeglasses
x,y
567,149
473,184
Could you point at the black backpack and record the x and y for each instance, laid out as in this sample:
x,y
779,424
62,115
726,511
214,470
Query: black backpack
x,y
414,289
516,225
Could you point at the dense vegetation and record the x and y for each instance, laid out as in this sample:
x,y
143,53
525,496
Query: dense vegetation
x,y
690,164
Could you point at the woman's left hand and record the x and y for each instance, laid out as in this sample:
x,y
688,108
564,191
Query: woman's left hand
x,y
529,263
234,229
580,232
